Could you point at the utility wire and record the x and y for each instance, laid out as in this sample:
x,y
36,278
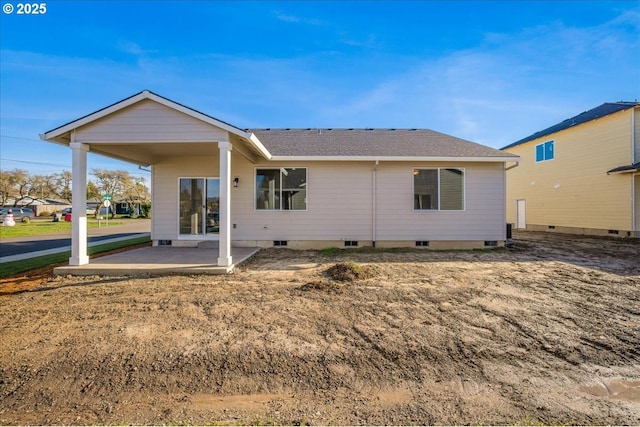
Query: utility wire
x,y
33,163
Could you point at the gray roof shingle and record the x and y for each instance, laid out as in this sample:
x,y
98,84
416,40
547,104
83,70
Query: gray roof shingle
x,y
369,143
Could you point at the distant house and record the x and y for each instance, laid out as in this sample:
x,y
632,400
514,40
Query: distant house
x,y
39,205
299,188
581,175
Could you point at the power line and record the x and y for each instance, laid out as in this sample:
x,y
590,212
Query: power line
x,y
21,138
33,163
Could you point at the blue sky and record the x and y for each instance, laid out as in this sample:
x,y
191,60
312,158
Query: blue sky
x,y
490,72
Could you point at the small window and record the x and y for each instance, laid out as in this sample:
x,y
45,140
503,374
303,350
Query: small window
x,y
438,189
544,151
281,189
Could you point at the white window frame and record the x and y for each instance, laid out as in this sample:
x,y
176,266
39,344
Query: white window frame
x,y
279,168
199,237
464,189
544,152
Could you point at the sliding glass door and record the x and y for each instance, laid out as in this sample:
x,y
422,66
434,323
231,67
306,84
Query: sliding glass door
x,y
199,206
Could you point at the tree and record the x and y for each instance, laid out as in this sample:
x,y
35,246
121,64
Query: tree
x,y
63,186
93,192
22,185
111,182
43,186
122,186
6,186
137,195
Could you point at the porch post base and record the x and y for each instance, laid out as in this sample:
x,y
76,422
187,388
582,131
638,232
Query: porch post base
x,y
225,261
78,260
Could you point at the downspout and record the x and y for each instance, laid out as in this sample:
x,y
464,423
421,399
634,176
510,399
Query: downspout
x,y
374,203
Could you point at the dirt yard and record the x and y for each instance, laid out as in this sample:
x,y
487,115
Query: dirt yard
x,y
545,332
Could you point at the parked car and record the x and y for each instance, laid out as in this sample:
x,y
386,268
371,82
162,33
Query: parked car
x,y
18,213
67,211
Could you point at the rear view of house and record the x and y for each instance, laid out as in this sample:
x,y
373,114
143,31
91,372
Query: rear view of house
x,y
581,175
300,188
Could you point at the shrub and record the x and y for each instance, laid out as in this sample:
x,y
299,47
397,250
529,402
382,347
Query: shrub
x,y
329,251
45,213
26,219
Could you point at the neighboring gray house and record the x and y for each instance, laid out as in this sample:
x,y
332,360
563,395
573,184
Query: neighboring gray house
x,y
300,188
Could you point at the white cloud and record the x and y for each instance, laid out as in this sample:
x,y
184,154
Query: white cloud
x,y
285,17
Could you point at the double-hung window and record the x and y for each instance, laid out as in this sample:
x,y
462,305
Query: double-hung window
x,y
544,151
281,189
438,189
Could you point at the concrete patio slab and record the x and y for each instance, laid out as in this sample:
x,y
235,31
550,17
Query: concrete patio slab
x,y
158,260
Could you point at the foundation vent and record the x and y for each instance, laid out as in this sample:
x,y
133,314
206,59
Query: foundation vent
x,y
422,243
552,227
614,232
490,243
350,243
280,243
164,242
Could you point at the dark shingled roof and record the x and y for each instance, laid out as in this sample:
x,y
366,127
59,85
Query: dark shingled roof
x,y
369,143
628,168
595,113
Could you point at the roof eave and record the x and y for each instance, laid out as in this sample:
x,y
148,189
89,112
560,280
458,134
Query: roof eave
x,y
487,159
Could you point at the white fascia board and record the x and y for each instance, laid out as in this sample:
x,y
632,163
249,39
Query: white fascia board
x,y
133,100
259,146
396,159
195,114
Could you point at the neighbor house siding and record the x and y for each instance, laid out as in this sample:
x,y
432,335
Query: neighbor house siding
x,y
573,189
637,203
149,121
636,134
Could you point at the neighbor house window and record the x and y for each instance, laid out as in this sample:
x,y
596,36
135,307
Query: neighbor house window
x,y
438,189
544,151
281,189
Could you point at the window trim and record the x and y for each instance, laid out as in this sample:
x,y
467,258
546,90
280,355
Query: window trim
x,y
464,188
279,168
544,151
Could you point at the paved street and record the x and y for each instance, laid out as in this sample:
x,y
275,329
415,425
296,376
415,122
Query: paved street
x,y
31,244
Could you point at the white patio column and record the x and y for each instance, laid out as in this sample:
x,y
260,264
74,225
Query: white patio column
x,y
79,204
224,259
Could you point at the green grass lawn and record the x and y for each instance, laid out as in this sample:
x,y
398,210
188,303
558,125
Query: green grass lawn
x,y
14,267
47,227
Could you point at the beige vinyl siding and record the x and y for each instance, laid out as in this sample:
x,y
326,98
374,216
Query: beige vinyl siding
x,y
482,219
573,189
339,202
149,121
165,189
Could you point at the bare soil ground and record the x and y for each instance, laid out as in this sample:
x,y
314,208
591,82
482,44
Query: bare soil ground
x,y
545,332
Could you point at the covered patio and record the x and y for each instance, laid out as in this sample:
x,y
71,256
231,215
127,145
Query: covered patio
x,y
146,130
158,260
